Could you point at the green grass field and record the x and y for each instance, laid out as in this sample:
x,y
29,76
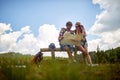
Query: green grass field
x,y
19,67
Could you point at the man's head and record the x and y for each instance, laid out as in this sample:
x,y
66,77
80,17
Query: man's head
x,y
69,25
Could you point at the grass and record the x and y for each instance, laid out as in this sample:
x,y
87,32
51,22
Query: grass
x,y
20,68
73,71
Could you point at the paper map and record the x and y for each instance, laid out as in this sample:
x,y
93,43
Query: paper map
x,y
72,39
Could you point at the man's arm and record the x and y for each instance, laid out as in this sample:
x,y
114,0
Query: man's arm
x,y
61,34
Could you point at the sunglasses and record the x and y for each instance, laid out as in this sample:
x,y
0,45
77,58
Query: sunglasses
x,y
77,26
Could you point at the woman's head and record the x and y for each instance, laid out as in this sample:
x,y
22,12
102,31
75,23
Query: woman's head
x,y
77,25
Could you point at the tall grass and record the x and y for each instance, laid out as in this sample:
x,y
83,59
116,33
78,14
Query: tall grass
x,y
18,67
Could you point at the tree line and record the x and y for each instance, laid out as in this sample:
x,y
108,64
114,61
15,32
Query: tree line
x,y
107,56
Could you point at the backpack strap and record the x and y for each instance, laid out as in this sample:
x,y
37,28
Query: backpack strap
x,y
62,31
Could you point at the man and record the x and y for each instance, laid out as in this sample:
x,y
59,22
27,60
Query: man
x,y
67,47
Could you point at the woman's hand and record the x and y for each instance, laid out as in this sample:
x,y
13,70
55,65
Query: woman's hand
x,y
75,40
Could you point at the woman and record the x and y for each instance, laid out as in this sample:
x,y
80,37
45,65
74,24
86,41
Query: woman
x,y
79,29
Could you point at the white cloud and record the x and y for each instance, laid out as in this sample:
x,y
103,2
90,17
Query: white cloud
x,y
93,44
26,29
108,19
106,41
25,42
8,41
4,27
48,34
107,25
27,45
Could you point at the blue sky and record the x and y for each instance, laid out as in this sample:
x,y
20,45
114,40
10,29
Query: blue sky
x,y
34,13
28,25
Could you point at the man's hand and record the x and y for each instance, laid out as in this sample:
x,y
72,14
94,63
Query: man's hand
x,y
61,37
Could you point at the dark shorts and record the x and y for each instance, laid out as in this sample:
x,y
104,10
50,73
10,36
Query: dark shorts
x,y
69,46
84,43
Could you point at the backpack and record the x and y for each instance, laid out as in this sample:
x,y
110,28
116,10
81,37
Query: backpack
x,y
52,46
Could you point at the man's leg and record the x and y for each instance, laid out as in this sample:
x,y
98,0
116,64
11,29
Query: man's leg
x,y
69,54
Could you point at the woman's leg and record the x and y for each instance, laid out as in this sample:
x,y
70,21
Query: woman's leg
x,y
85,54
88,57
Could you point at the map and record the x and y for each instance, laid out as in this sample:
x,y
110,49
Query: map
x,y
72,39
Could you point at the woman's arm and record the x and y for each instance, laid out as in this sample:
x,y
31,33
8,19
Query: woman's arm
x,y
83,30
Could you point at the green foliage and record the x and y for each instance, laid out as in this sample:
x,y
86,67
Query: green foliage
x,y
15,66
108,56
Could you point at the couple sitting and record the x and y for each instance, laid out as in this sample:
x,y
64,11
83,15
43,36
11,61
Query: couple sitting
x,y
82,45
